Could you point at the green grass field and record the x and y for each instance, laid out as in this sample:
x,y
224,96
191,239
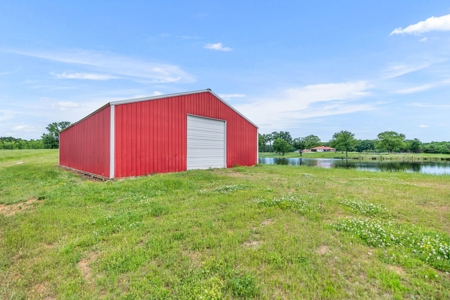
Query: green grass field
x,y
265,232
357,155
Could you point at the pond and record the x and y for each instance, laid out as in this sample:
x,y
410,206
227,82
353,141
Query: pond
x,y
390,166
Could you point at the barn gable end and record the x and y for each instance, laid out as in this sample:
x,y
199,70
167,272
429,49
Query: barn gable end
x,y
85,145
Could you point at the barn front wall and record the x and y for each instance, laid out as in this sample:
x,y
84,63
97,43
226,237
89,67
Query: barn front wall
x,y
151,136
85,146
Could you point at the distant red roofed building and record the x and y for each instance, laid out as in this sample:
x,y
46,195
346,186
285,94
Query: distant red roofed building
x,y
323,149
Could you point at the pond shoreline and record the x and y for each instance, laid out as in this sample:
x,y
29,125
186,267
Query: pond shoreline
x,y
389,165
362,156
401,158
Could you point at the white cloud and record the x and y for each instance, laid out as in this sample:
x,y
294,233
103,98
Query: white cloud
x,y
156,93
423,126
6,73
288,107
229,96
6,115
64,105
416,89
430,24
422,88
393,70
427,105
88,76
25,128
116,65
218,47
423,40
68,104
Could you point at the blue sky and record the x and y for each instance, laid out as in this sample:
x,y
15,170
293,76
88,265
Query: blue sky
x,y
306,67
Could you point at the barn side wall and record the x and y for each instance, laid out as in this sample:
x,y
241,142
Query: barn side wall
x,y
85,145
151,136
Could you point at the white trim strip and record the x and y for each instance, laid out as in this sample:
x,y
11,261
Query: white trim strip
x,y
111,143
257,146
225,141
125,101
234,109
59,148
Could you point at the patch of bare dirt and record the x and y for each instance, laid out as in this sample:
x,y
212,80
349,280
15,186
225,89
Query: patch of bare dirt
x,y
85,267
48,246
444,208
396,269
194,257
252,244
12,209
266,222
40,291
86,175
322,250
236,174
434,185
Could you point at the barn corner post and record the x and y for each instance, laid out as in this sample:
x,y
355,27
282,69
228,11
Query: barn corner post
x,y
257,146
111,142
59,148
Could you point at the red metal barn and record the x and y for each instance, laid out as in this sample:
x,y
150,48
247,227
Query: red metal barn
x,y
169,133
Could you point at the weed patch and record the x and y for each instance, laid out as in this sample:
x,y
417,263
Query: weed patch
x,y
369,209
432,248
111,224
290,202
225,189
217,279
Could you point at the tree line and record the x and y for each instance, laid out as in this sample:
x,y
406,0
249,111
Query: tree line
x,y
49,140
277,141
387,141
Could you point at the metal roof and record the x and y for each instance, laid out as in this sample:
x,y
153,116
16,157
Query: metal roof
x,y
126,101
323,147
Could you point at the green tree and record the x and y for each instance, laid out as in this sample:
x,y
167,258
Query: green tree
x,y
344,140
51,138
284,135
311,141
299,144
262,142
390,141
365,145
281,146
269,139
414,145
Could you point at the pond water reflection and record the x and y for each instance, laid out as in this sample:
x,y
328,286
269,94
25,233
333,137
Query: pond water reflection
x,y
390,166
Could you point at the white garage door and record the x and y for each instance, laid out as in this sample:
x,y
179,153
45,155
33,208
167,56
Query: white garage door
x,y
205,143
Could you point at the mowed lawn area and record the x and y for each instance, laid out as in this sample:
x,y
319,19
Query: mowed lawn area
x,y
265,232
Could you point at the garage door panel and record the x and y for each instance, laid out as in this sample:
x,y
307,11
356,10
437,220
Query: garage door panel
x,y
205,143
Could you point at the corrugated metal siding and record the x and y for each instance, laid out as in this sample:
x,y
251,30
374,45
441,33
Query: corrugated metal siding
x,y
151,136
85,145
